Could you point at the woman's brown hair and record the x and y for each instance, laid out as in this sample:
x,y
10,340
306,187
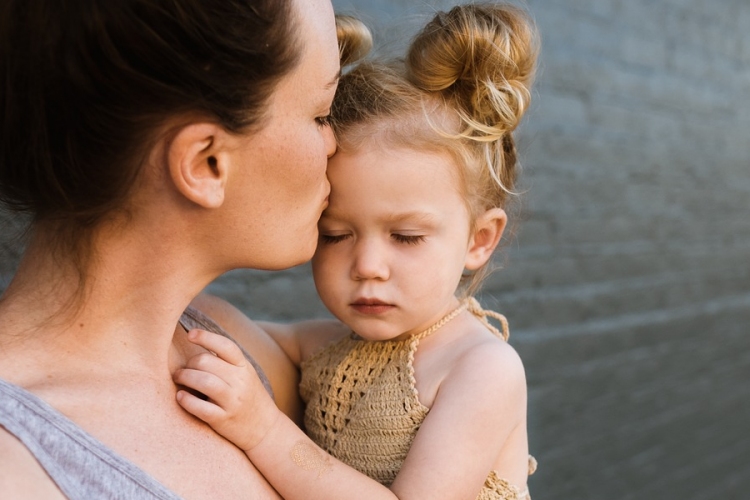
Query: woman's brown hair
x,y
85,85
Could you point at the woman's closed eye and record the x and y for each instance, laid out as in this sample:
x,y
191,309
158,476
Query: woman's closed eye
x,y
409,239
323,121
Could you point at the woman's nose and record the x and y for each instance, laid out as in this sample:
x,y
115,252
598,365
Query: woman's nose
x,y
369,262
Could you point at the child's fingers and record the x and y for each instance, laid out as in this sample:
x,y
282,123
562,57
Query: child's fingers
x,y
204,410
204,382
208,362
223,347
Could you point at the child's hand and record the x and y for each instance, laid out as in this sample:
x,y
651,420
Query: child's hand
x,y
238,408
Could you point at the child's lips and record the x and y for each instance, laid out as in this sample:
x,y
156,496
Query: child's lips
x,y
371,306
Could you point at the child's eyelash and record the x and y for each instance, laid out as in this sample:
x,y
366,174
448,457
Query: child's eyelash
x,y
324,121
331,239
408,239
400,238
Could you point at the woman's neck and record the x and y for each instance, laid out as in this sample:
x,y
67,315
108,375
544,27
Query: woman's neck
x,y
123,315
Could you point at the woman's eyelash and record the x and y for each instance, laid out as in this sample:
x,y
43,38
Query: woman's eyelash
x,y
408,239
324,121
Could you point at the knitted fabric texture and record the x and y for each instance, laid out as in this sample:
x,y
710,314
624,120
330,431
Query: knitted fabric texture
x,y
363,406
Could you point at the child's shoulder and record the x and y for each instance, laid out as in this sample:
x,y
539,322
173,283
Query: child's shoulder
x,y
315,334
485,379
488,366
489,357
474,363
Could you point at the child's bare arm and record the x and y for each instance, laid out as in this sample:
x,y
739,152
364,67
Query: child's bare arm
x,y
240,409
300,340
478,407
278,348
278,367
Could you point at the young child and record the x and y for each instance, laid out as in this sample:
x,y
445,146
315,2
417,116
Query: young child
x,y
414,387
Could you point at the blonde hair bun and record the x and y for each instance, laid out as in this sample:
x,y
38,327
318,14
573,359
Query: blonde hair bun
x,y
355,39
482,58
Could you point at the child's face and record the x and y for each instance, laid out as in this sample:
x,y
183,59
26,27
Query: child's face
x,y
393,241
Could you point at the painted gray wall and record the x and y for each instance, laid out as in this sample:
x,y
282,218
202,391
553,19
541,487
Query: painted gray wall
x,y
628,284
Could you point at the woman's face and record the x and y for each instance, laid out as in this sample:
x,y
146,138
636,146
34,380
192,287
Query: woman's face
x,y
278,194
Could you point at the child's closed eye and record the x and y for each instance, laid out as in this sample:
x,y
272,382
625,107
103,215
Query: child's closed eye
x,y
330,239
409,239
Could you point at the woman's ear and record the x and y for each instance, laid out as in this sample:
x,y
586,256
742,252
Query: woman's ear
x,y
196,166
488,229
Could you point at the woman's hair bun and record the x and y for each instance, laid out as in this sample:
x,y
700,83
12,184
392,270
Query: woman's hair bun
x,y
481,58
355,39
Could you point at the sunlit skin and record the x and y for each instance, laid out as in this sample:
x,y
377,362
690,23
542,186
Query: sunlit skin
x,y
285,178
393,241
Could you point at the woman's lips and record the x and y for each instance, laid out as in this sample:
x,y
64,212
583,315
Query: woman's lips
x,y
371,306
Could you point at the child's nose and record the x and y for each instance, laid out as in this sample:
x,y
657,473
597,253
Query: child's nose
x,y
369,262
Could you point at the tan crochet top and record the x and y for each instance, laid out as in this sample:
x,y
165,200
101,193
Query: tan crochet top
x,y
363,408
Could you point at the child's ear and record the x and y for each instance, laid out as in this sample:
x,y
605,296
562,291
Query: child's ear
x,y
197,167
488,230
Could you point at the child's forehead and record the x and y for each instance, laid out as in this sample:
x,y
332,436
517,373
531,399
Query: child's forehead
x,y
392,185
431,126
403,173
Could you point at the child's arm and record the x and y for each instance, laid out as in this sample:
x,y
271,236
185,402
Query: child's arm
x,y
278,348
480,409
302,339
478,406
281,371
241,410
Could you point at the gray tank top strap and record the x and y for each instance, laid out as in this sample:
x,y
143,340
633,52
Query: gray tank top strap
x,y
81,466
193,318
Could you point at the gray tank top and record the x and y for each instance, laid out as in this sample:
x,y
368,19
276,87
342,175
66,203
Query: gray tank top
x,y
81,466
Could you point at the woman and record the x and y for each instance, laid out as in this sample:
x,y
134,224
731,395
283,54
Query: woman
x,y
157,144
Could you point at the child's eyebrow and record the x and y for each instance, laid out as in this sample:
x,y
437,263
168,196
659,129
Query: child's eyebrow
x,y
412,217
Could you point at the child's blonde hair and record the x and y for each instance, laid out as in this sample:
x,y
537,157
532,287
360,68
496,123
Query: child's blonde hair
x,y
462,90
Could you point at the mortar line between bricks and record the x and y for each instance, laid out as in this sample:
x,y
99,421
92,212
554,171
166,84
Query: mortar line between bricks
x,y
619,323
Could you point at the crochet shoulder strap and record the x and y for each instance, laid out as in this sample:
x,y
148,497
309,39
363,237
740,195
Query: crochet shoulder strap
x,y
475,308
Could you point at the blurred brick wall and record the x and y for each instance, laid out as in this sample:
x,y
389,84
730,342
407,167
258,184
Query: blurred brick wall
x,y
627,285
